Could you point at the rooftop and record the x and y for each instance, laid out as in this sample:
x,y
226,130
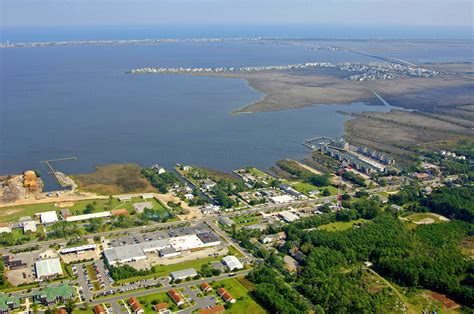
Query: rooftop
x,y
48,267
51,293
126,252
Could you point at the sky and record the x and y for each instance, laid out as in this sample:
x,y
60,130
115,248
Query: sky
x,y
69,13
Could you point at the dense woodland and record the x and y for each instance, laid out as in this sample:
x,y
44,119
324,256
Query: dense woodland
x,y
332,276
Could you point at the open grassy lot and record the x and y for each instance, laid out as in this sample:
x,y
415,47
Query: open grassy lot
x,y
341,225
244,220
114,179
240,289
424,218
163,270
304,187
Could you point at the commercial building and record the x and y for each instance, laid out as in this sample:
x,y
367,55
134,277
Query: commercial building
x,y
29,226
88,216
124,254
208,239
79,249
186,242
155,246
183,274
281,199
288,216
48,218
232,262
48,268
169,252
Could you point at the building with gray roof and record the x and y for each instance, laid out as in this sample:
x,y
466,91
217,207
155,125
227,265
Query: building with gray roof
x,y
124,254
183,274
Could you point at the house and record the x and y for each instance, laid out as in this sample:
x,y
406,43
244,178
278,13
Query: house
x,y
208,184
289,190
62,311
135,306
297,254
206,287
99,309
158,169
226,296
216,309
176,297
160,306
290,263
270,238
232,262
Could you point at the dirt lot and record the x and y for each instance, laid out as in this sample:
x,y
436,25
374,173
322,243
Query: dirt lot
x,y
114,179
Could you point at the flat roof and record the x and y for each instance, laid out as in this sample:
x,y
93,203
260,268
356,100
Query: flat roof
x,y
186,242
232,262
288,216
190,272
155,245
48,217
88,216
208,237
48,267
79,248
124,253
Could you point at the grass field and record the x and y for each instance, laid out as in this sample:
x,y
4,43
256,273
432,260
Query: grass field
x,y
424,218
240,289
341,225
114,179
245,220
304,187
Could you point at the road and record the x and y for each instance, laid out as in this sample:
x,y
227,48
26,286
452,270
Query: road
x,y
254,209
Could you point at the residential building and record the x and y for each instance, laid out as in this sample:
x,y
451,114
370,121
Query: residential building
x,y
61,311
160,307
206,287
8,303
51,295
226,296
158,169
176,297
99,309
135,306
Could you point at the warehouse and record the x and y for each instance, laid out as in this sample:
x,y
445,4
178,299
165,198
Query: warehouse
x,y
48,268
281,199
155,246
232,262
124,254
288,216
169,252
208,239
78,249
48,218
186,242
183,274
88,216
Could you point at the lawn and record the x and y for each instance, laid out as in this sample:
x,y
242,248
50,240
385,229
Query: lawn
x,y
150,300
244,220
425,218
163,270
239,289
341,225
304,187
